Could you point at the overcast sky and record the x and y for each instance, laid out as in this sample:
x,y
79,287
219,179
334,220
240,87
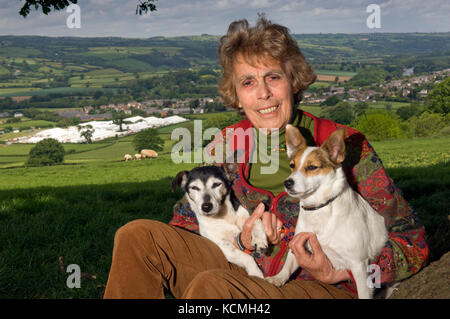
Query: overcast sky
x,y
193,17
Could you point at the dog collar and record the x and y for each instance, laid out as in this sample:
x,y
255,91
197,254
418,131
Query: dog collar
x,y
322,205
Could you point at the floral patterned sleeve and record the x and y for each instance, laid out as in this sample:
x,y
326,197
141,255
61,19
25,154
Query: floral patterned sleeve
x,y
406,251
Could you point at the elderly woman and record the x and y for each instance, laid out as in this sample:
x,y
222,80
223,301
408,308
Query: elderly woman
x,y
264,75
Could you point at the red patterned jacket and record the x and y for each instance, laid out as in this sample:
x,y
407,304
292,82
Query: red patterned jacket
x,y
406,251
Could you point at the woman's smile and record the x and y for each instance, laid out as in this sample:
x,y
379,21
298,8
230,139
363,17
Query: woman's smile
x,y
264,93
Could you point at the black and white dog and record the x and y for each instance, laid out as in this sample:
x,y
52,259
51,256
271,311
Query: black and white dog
x,y
220,215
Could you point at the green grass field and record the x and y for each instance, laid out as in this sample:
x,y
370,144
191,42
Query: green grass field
x,y
71,211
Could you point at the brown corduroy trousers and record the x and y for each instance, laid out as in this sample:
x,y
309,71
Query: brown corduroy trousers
x,y
151,258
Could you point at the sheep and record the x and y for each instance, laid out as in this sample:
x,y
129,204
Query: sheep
x,y
148,153
127,157
137,157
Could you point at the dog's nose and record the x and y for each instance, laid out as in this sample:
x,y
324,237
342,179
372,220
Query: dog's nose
x,y
289,183
206,207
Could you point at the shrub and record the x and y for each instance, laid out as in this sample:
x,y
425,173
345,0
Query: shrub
x,y
148,139
445,131
380,125
427,124
405,112
341,113
47,152
439,97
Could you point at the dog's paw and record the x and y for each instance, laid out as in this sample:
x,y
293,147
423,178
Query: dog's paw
x,y
276,280
255,271
259,239
260,245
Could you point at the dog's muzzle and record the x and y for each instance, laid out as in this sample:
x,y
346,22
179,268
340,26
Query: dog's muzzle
x,y
289,183
206,207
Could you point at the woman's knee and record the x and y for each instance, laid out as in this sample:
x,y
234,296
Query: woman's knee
x,y
208,284
136,230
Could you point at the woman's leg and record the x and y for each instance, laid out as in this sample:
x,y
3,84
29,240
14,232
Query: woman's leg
x,y
235,284
150,257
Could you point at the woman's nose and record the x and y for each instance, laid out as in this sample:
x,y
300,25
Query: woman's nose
x,y
264,91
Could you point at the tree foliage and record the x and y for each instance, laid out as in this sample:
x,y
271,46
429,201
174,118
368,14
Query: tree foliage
x,y
439,97
46,5
428,124
148,139
49,5
341,113
46,152
119,119
380,125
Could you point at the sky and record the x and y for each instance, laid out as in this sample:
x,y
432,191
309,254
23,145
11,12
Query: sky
x,y
101,18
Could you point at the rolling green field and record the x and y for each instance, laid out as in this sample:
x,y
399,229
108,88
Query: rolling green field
x,y
70,212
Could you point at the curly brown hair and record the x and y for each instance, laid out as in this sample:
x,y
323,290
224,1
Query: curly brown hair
x,y
266,40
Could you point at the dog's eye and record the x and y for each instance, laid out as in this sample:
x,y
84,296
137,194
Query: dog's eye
x,y
216,185
195,188
311,168
292,165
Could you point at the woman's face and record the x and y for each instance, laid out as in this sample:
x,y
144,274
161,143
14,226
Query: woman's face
x,y
264,93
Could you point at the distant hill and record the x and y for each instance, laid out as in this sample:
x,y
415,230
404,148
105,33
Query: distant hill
x,y
77,67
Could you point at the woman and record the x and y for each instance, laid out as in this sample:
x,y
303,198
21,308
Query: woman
x,y
264,75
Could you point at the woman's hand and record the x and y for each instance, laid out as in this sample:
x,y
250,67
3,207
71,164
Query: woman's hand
x,y
272,227
315,263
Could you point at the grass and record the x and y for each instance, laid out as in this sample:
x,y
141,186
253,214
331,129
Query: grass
x,y
72,211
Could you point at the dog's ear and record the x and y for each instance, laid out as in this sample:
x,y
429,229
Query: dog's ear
x,y
335,146
231,165
294,140
231,170
180,180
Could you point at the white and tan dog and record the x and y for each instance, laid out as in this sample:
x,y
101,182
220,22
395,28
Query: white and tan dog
x,y
220,215
348,229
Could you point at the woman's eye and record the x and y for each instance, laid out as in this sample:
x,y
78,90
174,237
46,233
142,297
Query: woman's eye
x,y
274,77
311,168
246,83
195,188
216,185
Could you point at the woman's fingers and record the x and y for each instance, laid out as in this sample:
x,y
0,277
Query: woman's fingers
x,y
297,246
246,235
272,226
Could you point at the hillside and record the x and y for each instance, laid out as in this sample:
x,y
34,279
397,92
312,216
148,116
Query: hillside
x,y
31,64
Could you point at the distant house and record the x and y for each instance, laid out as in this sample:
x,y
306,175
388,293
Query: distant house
x,y
71,114
5,114
18,114
20,98
408,72
182,110
87,109
423,93
338,90
96,117
151,110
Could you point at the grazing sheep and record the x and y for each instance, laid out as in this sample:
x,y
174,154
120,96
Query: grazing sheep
x,y
149,153
137,157
128,157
